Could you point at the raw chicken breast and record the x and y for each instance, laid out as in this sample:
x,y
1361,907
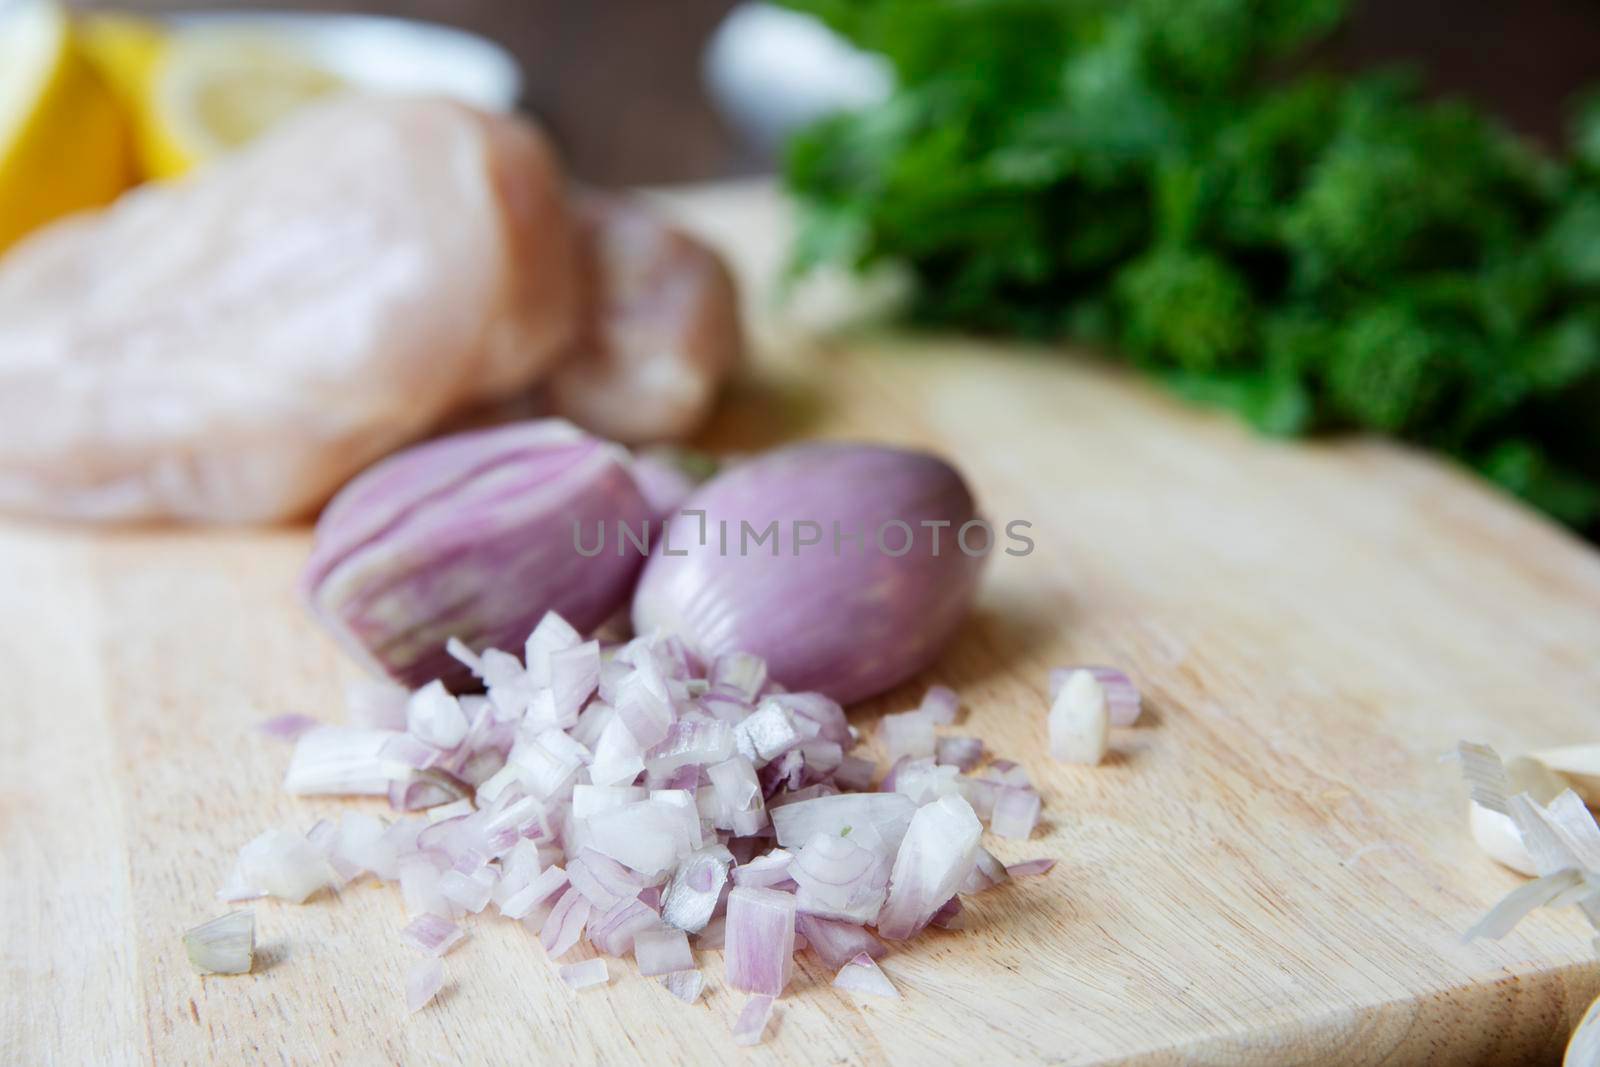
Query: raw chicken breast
x,y
234,347
660,328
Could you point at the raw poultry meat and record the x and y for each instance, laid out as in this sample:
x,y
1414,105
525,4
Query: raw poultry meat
x,y
660,329
234,347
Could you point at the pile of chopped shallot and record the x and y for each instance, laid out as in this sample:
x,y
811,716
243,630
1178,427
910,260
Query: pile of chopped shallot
x,y
616,796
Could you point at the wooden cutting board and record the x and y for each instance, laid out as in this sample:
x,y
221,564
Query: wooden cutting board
x,y
1273,868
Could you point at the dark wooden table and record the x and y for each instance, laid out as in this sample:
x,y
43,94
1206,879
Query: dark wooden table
x,y
619,80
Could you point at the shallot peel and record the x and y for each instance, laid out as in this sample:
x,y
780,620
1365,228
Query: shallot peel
x,y
472,537
1495,831
843,566
1561,837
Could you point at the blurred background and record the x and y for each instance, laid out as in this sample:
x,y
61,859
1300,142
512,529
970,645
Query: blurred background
x,y
620,83
1236,197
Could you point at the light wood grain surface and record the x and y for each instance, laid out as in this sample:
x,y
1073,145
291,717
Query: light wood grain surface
x,y
1273,868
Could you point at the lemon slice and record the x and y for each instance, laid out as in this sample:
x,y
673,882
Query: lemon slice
x,y
213,91
63,143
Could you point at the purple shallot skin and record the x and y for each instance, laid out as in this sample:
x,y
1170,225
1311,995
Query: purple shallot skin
x,y
473,536
849,616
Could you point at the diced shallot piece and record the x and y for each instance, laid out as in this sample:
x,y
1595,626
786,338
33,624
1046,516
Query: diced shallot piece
x,y
564,925
691,897
433,934
435,717
662,952
740,807
543,888
962,753
282,864
987,873
855,774
837,943
341,761
862,975
1079,721
938,853
907,734
613,931
939,705
714,935
766,870
1027,867
760,939
1016,812
288,727
740,675
888,814
685,985
1122,695
839,879
752,1020
423,982
583,975
949,916
225,945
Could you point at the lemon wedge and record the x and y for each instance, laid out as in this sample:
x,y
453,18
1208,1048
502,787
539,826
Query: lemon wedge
x,y
63,142
213,91
125,51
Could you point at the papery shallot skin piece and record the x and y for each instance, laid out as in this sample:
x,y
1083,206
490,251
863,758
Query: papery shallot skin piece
x,y
471,536
660,329
847,617
234,346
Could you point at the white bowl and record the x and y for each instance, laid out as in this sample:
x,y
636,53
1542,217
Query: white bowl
x,y
383,54
771,71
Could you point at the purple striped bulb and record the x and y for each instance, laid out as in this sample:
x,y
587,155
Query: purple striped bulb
x,y
832,598
472,536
